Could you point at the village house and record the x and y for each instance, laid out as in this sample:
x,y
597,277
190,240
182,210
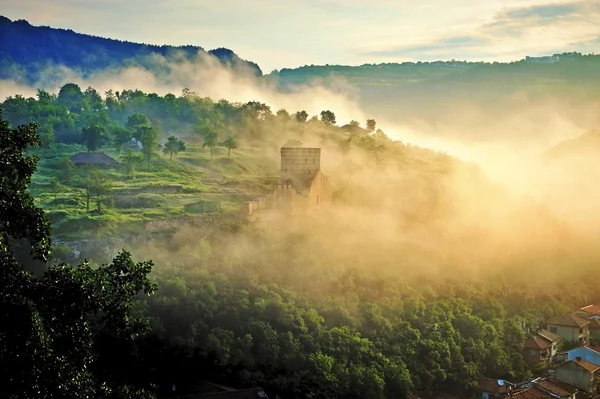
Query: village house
x,y
580,374
98,159
491,388
572,328
585,352
537,349
133,145
354,130
556,389
589,312
541,347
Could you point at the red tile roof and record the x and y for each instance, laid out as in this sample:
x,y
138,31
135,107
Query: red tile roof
x,y
568,320
552,388
562,385
550,336
530,393
592,309
537,342
591,367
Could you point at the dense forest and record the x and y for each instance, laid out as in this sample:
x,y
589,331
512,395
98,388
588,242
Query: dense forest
x,y
29,53
422,278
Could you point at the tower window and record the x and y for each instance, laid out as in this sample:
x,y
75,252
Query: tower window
x,y
305,160
313,160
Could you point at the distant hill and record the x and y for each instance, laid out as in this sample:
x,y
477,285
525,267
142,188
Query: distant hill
x,y
27,51
587,144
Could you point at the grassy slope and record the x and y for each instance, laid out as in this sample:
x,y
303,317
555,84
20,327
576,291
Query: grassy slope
x,y
229,180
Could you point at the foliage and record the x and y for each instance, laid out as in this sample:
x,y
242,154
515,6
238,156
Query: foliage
x,y
173,146
59,331
328,117
230,144
93,137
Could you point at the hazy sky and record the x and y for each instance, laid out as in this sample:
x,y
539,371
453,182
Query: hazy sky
x,y
282,33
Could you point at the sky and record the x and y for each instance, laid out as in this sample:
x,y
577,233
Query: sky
x,y
286,34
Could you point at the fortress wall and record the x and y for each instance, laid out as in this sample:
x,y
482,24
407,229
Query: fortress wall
x,y
299,166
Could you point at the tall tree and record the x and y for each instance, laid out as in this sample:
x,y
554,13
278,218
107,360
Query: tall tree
x,y
120,136
50,325
93,137
301,116
210,139
328,117
371,124
173,146
71,96
148,136
131,160
230,144
135,121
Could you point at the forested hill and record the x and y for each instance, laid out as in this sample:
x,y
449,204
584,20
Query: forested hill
x,y
28,50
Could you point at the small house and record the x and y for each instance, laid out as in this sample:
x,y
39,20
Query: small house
x,y
98,159
555,389
572,328
133,145
491,388
537,349
580,374
354,130
589,312
586,353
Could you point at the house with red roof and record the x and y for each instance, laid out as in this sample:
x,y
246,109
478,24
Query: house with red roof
x,y
580,374
571,327
541,347
589,312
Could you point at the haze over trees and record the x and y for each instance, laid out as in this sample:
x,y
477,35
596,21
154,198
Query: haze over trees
x,y
422,302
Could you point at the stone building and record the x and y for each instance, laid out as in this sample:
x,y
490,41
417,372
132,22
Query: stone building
x,y
303,186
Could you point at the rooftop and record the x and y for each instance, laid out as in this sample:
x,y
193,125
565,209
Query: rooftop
x,y
549,336
591,367
568,320
537,342
491,385
93,158
552,388
592,309
530,393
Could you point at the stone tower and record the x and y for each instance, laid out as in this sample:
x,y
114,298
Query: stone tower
x,y
299,166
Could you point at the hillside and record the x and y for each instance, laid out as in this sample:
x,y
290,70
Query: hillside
x,y
27,51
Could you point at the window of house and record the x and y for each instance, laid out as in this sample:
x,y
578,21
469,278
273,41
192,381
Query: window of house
x,y
533,352
553,329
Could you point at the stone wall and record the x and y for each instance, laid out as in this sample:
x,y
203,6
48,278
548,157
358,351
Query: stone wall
x,y
299,166
284,197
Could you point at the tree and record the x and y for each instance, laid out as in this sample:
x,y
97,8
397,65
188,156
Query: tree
x,y
354,123
71,96
328,118
120,136
55,187
301,116
50,326
130,160
67,168
93,137
96,186
135,121
148,136
230,144
371,125
210,131
210,139
173,146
